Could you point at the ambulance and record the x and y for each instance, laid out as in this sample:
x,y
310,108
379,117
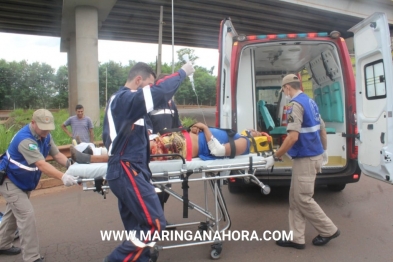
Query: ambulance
x,y
357,114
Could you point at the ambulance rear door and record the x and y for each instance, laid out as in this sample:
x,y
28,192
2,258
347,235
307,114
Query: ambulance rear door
x,y
374,104
224,95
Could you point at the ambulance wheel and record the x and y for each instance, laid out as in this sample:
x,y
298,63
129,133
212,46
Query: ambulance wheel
x,y
336,187
234,188
214,254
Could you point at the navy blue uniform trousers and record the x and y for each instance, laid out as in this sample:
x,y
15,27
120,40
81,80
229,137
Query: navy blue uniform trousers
x,y
134,191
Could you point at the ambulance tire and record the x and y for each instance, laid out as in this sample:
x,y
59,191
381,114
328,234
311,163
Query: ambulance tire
x,y
235,188
336,187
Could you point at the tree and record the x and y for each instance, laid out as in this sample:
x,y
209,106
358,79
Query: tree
x,y
117,76
204,83
5,96
190,52
41,85
18,90
61,88
30,86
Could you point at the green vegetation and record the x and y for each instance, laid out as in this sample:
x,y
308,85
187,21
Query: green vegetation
x,y
20,118
38,85
5,137
187,121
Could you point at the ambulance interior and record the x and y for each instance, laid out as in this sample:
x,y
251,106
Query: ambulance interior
x,y
318,66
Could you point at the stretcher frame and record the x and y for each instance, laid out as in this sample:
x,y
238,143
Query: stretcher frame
x,y
212,175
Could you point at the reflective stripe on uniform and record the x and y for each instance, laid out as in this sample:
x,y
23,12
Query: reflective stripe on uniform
x,y
310,129
148,98
162,112
112,129
139,243
140,122
19,164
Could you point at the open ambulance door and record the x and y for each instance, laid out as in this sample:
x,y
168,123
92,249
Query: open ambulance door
x,y
374,104
224,95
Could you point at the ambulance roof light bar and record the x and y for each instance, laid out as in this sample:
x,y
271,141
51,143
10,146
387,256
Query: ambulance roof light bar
x,y
241,38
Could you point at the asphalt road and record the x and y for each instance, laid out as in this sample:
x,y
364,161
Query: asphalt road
x,y
69,221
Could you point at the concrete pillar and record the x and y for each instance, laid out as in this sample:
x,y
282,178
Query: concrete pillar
x,y
86,35
72,79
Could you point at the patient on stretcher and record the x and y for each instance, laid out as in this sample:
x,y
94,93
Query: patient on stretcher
x,y
200,141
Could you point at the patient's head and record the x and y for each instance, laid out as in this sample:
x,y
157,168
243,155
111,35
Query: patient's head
x,y
195,130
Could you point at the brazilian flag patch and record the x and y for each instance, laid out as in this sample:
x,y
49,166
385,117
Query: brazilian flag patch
x,y
33,147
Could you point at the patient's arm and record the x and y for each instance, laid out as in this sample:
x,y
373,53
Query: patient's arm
x,y
202,128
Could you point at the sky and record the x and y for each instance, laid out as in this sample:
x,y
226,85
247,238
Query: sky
x,y
18,47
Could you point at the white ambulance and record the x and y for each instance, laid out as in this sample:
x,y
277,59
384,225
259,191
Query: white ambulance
x,y
358,117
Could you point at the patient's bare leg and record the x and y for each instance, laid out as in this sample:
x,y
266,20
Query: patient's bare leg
x,y
99,159
83,158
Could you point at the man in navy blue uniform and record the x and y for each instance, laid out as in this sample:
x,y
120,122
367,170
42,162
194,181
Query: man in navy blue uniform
x,y
306,144
23,163
126,138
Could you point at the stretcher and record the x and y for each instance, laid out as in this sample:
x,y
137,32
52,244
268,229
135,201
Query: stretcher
x,y
213,173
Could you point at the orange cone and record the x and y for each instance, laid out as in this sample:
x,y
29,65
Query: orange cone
x,y
284,120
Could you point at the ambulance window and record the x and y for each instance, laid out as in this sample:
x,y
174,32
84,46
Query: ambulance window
x,y
375,80
269,94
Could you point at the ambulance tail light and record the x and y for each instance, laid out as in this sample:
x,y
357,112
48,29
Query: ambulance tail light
x,y
241,38
356,150
271,36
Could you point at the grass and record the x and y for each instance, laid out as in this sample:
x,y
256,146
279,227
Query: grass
x,y
20,118
6,135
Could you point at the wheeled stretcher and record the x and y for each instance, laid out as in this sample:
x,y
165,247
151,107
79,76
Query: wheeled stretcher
x,y
213,173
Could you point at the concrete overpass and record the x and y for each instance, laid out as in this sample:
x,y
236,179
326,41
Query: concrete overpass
x,y
80,23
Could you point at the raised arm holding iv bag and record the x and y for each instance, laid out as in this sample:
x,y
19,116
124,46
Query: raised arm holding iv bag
x,y
187,59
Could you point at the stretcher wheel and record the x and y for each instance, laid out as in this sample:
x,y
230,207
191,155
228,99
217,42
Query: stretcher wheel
x,y
265,190
214,254
216,251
